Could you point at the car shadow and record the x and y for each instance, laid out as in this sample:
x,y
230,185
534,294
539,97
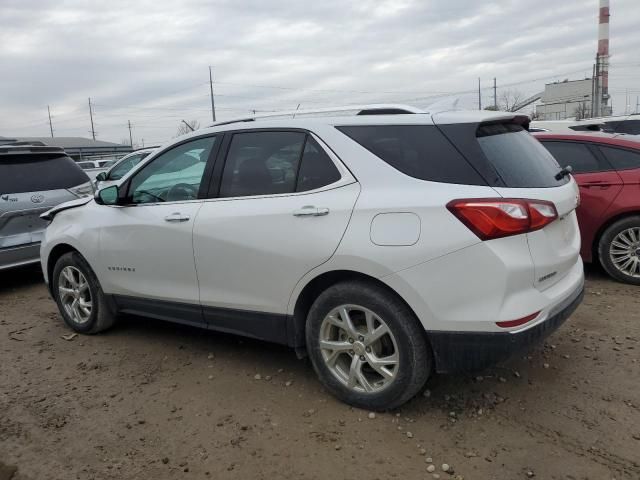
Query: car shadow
x,y
20,277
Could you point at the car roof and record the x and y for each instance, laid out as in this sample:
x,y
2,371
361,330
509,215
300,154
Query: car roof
x,y
595,137
305,120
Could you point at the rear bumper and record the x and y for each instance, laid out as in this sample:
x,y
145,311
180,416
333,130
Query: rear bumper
x,y
469,351
20,255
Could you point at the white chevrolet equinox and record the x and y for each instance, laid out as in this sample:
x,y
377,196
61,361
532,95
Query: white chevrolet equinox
x,y
388,243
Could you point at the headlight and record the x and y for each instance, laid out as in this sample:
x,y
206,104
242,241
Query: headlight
x,y
82,190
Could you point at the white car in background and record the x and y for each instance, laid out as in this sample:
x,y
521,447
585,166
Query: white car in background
x,y
120,168
94,167
387,244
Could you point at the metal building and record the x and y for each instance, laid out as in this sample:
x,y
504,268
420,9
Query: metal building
x,y
568,99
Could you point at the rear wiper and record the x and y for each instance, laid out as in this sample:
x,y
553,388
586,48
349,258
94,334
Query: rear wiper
x,y
564,172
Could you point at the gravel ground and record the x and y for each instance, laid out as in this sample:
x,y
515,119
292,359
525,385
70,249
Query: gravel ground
x,y
151,400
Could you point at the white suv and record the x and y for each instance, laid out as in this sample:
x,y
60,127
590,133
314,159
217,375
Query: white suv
x,y
387,244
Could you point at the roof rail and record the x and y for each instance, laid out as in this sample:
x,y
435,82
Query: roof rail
x,y
374,109
30,149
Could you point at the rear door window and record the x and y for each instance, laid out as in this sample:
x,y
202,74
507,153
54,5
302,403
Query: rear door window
x,y
620,158
576,155
518,158
420,151
27,173
262,163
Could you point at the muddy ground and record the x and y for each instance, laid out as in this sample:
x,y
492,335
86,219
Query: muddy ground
x,y
151,400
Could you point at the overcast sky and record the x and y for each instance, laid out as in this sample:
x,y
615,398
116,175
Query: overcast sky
x,y
147,61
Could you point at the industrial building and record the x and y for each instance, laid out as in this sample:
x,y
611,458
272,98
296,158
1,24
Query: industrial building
x,y
568,99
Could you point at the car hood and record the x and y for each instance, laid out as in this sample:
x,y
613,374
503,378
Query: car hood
x,y
49,214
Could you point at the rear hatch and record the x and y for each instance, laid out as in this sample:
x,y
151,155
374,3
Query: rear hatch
x,y
32,181
517,166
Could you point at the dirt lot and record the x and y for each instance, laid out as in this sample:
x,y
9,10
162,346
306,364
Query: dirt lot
x,y
150,400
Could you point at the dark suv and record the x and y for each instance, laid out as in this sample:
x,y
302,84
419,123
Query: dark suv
x,y
33,179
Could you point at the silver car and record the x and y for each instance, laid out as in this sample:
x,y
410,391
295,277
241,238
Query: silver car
x,y
33,179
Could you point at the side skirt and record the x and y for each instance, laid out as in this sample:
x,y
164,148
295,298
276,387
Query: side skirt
x,y
270,327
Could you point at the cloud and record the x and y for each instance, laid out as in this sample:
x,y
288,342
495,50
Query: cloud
x,y
147,61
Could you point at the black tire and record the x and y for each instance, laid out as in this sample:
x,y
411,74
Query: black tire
x,y
415,357
604,246
103,315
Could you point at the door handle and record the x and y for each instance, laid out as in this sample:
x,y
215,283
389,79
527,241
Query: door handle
x,y
311,211
176,217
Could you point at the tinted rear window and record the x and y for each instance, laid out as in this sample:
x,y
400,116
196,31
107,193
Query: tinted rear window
x,y
420,151
576,155
620,158
20,173
518,158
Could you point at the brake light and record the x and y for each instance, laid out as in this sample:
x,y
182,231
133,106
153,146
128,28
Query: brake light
x,y
491,218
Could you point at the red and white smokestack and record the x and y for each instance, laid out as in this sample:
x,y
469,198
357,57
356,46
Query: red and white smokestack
x,y
603,51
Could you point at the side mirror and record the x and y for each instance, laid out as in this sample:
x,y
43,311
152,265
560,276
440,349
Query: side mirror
x,y
101,177
107,196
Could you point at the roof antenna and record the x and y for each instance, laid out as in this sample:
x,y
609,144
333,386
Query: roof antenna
x,y
294,113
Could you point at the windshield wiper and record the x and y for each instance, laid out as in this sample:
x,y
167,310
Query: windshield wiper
x,y
564,172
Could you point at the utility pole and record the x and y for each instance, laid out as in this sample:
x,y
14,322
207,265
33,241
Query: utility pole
x,y
50,125
93,132
213,107
479,96
130,136
593,92
638,104
495,94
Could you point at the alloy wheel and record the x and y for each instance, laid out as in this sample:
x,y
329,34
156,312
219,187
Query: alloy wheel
x,y
359,348
75,294
624,252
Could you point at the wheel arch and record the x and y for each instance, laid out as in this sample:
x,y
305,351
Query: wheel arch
x,y
54,255
317,285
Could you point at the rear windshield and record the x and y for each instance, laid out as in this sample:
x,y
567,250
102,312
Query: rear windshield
x,y
518,158
20,173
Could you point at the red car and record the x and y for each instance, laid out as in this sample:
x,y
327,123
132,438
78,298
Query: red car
x,y
607,169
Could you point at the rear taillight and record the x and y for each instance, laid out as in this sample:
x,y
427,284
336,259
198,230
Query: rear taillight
x,y
491,218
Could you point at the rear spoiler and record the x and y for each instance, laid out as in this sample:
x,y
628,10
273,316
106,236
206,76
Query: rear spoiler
x,y
481,117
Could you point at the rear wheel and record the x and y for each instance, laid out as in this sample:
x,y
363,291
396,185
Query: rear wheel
x,y
619,250
366,346
79,296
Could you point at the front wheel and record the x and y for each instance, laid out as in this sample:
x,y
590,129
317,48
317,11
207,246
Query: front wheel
x,y
619,250
79,296
366,346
